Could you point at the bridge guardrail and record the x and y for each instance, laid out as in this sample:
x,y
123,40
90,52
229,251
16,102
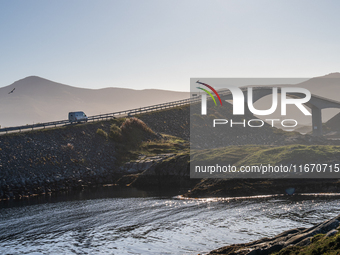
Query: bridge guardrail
x,y
106,116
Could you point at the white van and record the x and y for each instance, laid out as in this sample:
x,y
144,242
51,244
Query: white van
x,y
77,117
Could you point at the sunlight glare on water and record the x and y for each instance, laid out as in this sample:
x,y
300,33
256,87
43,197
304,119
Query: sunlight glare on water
x,y
155,225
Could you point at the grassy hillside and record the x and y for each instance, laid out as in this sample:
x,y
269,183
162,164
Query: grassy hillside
x,y
255,155
320,244
187,122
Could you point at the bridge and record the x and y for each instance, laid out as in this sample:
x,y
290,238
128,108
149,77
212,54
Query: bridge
x,y
106,116
316,103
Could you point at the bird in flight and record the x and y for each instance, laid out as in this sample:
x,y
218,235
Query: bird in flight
x,y
11,91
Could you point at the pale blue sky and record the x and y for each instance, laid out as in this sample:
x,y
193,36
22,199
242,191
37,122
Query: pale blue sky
x,y
161,44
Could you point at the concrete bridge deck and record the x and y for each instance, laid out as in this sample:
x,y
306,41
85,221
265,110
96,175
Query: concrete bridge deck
x,y
316,103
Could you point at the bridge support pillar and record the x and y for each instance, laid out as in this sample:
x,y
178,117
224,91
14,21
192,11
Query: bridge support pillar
x,y
316,121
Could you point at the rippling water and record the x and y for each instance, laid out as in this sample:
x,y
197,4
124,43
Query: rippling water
x,y
116,223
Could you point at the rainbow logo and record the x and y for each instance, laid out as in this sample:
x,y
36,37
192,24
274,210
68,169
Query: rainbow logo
x,y
212,89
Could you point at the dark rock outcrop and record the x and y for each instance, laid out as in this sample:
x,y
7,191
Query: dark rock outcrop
x,y
169,171
294,237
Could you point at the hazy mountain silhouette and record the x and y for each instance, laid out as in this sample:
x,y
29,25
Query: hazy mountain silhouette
x,y
37,99
327,86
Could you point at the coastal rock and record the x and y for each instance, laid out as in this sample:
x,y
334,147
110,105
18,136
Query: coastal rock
x,y
294,237
167,171
143,163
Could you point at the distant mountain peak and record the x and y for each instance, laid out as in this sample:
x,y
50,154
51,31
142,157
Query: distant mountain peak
x,y
36,99
33,77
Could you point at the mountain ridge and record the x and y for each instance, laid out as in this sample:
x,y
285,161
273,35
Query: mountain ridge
x,y
36,99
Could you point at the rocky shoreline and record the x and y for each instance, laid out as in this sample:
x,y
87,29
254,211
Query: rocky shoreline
x,y
140,173
298,237
47,161
77,157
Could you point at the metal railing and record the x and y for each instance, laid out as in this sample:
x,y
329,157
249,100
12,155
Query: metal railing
x,y
106,116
